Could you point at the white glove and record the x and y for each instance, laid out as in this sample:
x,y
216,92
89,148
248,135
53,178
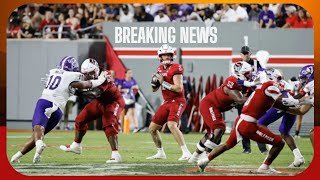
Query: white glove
x,y
290,101
101,79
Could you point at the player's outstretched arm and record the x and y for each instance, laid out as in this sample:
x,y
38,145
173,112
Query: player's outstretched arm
x,y
235,95
91,83
302,110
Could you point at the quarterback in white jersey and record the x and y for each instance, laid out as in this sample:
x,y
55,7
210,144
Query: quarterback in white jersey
x,y
61,84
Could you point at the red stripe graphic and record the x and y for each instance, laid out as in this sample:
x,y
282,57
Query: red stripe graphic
x,y
284,60
136,53
206,53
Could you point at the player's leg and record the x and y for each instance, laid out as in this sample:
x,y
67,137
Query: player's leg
x,y
270,117
312,136
207,119
218,128
287,123
176,109
89,113
110,115
231,142
158,120
263,135
298,126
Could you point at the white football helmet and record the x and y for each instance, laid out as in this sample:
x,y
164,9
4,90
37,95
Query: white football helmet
x,y
90,68
243,70
166,49
274,75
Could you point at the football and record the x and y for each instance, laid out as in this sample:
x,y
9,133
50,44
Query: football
x,y
155,82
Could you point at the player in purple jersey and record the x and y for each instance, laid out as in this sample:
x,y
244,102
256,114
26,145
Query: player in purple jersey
x,y
60,85
286,124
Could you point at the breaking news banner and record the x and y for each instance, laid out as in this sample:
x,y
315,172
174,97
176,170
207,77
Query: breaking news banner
x,y
159,89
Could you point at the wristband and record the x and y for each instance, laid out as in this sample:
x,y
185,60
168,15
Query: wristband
x,y
166,85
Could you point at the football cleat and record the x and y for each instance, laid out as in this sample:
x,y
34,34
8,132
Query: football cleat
x,y
297,162
267,170
194,158
14,160
185,157
158,156
202,164
70,148
115,159
39,150
36,158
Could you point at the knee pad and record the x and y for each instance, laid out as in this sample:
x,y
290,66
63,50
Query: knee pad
x,y
209,144
110,131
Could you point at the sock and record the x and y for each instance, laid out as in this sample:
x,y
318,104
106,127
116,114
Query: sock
x,y
266,163
160,150
264,166
18,155
296,153
115,153
75,144
39,143
297,132
184,149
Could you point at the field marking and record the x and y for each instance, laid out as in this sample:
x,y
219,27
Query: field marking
x,y
130,169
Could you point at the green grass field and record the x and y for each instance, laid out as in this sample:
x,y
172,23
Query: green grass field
x,y
134,148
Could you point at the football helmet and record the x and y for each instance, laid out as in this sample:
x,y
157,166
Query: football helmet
x,y
274,75
306,74
243,70
166,49
69,63
90,68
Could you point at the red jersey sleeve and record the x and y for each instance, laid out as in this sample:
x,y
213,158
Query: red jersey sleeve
x,y
231,83
177,69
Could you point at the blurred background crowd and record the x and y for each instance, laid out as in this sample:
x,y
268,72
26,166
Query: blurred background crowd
x,y
85,20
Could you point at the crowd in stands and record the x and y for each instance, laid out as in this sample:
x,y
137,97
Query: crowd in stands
x,y
84,20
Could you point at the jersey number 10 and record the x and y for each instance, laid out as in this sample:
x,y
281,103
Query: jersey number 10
x,y
54,82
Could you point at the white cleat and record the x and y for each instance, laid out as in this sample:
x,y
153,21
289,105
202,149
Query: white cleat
x,y
37,155
14,160
115,159
185,157
36,158
268,170
297,163
70,148
194,158
202,164
158,156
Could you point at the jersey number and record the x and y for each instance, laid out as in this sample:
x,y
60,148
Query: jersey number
x,y
54,82
230,84
249,99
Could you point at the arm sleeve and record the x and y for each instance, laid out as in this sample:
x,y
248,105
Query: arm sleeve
x,y
272,91
178,69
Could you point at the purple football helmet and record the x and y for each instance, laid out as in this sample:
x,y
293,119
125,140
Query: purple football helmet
x,y
306,74
69,63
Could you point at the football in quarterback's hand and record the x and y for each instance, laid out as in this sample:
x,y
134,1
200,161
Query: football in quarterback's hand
x,y
155,81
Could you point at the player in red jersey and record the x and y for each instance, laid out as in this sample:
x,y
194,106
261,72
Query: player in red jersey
x,y
108,104
221,100
169,77
255,107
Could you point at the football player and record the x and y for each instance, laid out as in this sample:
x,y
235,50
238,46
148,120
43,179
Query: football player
x,y
306,77
169,78
255,107
61,84
108,104
221,100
